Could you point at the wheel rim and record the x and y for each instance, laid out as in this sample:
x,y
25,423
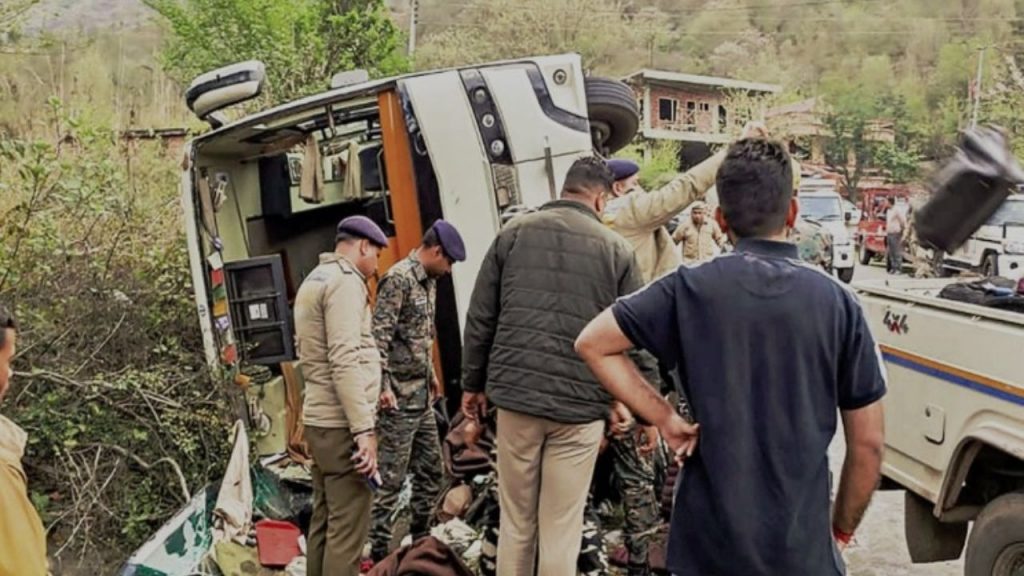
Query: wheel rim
x,y
1010,561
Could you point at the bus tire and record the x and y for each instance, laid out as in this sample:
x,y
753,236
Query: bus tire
x,y
614,114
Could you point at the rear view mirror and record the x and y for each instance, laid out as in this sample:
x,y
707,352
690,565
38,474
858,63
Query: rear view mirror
x,y
227,86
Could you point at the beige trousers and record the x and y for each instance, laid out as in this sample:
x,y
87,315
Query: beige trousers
x,y
544,474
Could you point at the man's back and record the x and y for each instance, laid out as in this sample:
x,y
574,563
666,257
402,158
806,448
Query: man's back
x,y
553,270
767,348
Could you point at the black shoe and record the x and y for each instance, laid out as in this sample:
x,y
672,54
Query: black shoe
x,y
638,570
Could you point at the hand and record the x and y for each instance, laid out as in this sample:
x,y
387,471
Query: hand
x,y
841,546
388,401
649,442
366,454
472,432
474,406
755,130
435,389
620,420
680,436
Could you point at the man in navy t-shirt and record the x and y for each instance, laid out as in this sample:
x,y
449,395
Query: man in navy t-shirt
x,y
767,349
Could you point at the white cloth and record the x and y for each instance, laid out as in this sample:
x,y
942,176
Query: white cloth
x,y
233,512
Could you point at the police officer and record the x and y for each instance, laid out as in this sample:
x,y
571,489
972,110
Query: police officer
x,y
403,325
640,217
699,236
341,368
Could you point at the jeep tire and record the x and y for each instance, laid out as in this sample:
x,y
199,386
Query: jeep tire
x,y
996,544
865,255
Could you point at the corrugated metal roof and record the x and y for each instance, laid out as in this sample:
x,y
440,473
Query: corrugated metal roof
x,y
697,80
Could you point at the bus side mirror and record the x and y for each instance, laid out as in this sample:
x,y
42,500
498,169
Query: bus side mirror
x,y
223,87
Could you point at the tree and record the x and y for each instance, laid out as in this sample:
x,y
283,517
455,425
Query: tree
x,y
901,164
302,42
851,105
609,38
848,151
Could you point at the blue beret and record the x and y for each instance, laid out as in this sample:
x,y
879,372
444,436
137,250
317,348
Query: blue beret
x,y
451,240
622,168
363,227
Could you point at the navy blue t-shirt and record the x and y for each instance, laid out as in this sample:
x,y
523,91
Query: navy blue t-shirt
x,y
767,348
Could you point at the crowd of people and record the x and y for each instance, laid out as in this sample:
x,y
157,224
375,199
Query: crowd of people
x,y
582,318
587,328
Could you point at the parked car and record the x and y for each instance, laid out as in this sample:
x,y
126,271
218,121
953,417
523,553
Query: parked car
x,y
997,248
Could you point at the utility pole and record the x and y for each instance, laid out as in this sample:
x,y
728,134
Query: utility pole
x,y
977,87
414,9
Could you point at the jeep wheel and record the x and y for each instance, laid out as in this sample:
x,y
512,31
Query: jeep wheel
x,y
864,254
996,544
614,114
845,274
939,267
990,267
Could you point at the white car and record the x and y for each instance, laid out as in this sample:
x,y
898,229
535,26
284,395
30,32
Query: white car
x,y
997,248
825,206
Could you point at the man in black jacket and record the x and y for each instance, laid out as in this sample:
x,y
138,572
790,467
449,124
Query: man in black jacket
x,y
545,276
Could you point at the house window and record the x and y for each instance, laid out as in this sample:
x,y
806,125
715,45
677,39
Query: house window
x,y
691,115
723,119
705,107
667,109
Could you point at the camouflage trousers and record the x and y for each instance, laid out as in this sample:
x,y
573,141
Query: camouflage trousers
x,y
593,558
635,477
408,443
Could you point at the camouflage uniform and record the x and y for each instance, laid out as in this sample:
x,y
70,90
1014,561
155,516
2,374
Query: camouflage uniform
x,y
403,325
636,479
814,243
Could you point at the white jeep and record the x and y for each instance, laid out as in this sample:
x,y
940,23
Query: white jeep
x,y
997,248
819,202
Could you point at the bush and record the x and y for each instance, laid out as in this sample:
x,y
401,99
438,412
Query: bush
x,y
110,382
660,168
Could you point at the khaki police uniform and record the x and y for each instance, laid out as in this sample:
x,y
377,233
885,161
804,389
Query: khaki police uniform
x,y
341,368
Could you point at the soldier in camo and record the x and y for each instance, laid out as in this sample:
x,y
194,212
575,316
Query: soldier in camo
x,y
634,470
814,243
812,240
403,326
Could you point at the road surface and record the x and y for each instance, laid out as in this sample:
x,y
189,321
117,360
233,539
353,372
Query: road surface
x,y
881,546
